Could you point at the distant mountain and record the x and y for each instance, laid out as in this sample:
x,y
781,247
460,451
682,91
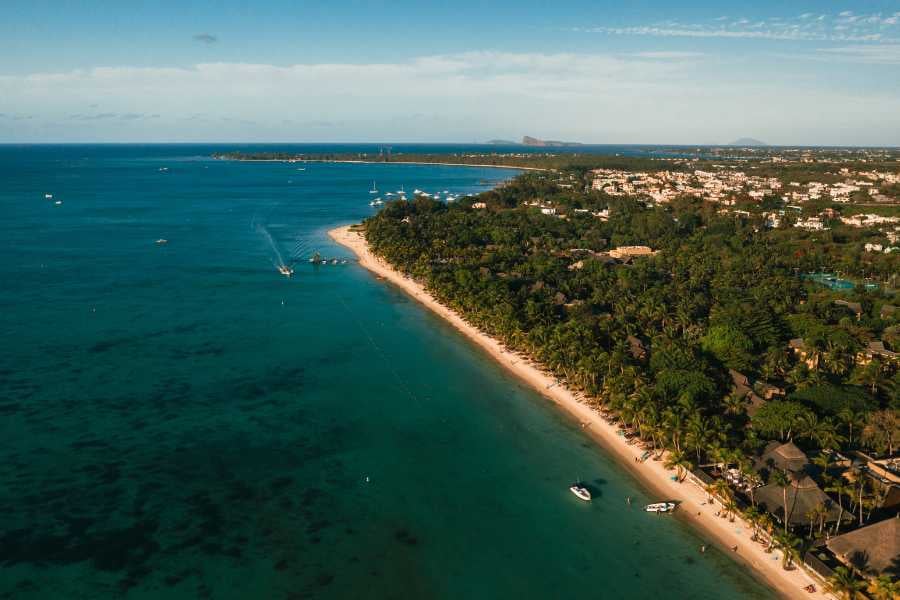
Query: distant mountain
x,y
502,142
746,142
530,141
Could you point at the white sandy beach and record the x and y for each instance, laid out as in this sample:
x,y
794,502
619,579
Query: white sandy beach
x,y
693,501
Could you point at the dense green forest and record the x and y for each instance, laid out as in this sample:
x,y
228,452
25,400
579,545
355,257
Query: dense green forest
x,y
721,293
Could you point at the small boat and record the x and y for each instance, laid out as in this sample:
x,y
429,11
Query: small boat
x,y
376,202
48,196
374,189
660,507
162,241
580,491
285,270
417,191
163,169
58,202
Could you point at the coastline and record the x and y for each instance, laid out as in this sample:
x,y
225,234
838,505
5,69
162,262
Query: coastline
x,y
381,162
693,507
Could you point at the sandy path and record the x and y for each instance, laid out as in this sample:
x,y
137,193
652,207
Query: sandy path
x,y
693,508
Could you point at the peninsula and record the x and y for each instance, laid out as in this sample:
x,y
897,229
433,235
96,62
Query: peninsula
x,y
695,340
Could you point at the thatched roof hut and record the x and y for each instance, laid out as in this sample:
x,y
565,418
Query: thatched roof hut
x,y
803,496
786,457
873,550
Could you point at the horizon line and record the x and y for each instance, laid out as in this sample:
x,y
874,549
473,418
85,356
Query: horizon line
x,y
440,143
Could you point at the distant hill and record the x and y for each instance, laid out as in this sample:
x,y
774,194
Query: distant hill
x,y
530,141
746,142
502,142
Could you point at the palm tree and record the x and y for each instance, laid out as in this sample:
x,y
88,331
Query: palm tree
x,y
719,488
698,433
751,515
734,405
679,461
850,418
840,488
789,545
766,524
781,479
844,584
883,588
871,375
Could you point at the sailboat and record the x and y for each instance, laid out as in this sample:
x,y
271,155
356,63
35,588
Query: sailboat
x,y
374,189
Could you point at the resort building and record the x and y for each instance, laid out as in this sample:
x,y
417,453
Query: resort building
x,y
804,498
872,550
624,252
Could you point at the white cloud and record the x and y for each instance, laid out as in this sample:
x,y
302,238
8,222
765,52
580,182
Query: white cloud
x,y
885,54
648,97
843,27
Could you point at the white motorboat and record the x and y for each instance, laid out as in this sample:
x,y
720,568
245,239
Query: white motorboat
x,y
660,507
285,270
48,196
162,241
580,491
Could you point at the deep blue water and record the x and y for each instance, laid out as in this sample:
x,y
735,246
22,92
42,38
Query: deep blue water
x,y
181,421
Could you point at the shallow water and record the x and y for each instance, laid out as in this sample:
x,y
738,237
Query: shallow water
x,y
180,421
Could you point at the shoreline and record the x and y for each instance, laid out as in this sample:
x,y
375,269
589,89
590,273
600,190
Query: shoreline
x,y
381,162
693,508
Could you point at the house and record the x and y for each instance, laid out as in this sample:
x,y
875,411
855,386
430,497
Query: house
x,y
624,252
742,388
769,391
786,457
854,307
870,550
876,349
803,497
637,348
479,205
798,346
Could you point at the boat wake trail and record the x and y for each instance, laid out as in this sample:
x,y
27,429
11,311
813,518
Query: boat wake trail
x,y
278,260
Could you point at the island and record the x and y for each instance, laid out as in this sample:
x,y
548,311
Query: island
x,y
747,142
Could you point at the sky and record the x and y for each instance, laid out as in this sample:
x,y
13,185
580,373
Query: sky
x,y
796,72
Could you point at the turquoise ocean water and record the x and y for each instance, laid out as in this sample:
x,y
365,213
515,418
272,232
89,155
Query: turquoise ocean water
x,y
181,421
